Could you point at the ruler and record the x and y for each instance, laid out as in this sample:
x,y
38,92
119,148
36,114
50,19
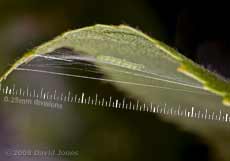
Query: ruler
x,y
12,94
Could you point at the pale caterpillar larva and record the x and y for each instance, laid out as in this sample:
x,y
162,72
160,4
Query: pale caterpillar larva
x,y
120,62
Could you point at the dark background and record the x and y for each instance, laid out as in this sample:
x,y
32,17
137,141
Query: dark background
x,y
197,31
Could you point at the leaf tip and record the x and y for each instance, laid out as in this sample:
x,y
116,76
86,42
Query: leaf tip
x,y
25,59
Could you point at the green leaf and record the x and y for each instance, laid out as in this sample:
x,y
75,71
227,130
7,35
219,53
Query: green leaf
x,y
151,70
131,49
